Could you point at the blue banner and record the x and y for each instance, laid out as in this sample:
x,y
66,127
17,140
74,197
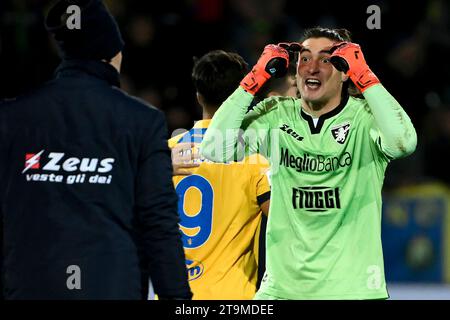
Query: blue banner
x,y
416,234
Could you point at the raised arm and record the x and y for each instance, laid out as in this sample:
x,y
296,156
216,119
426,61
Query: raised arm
x,y
398,137
397,133
221,142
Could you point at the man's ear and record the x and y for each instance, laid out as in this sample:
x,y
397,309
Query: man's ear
x,y
200,99
344,77
116,61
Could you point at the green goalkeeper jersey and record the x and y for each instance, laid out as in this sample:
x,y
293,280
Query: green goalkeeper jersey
x,y
324,229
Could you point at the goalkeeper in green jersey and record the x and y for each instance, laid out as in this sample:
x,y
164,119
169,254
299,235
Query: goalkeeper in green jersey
x,y
328,153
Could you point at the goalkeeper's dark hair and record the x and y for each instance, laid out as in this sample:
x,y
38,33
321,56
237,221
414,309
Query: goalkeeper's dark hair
x,y
332,34
335,35
217,74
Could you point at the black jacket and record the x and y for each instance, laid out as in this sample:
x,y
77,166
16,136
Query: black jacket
x,y
87,201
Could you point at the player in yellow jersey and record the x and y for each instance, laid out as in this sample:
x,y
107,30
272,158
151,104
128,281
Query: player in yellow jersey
x,y
220,205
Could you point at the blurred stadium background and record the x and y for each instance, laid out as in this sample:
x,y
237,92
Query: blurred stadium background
x,y
409,54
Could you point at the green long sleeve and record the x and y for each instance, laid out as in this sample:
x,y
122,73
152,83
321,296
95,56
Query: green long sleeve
x,y
398,136
221,139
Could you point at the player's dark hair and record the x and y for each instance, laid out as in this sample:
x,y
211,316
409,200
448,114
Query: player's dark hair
x,y
335,35
217,74
332,34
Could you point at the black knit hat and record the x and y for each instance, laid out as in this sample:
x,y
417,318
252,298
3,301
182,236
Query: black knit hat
x,y
98,38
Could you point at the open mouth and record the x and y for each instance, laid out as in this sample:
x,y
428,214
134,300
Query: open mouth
x,y
313,83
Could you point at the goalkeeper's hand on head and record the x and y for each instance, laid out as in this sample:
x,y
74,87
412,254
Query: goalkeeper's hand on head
x,y
348,58
273,62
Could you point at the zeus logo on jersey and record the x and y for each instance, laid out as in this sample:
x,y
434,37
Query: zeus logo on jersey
x,y
340,132
58,166
291,132
316,199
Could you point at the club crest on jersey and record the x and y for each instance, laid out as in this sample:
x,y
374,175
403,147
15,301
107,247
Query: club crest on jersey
x,y
340,132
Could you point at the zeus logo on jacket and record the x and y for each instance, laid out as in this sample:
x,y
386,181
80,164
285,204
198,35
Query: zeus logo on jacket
x,y
56,162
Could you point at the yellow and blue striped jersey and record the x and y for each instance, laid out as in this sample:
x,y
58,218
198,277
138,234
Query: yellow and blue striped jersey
x,y
220,219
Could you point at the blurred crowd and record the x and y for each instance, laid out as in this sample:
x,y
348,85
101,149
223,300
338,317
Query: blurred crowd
x,y
409,54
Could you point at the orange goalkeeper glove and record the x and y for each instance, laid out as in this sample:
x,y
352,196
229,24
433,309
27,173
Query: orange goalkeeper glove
x,y
348,58
273,62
